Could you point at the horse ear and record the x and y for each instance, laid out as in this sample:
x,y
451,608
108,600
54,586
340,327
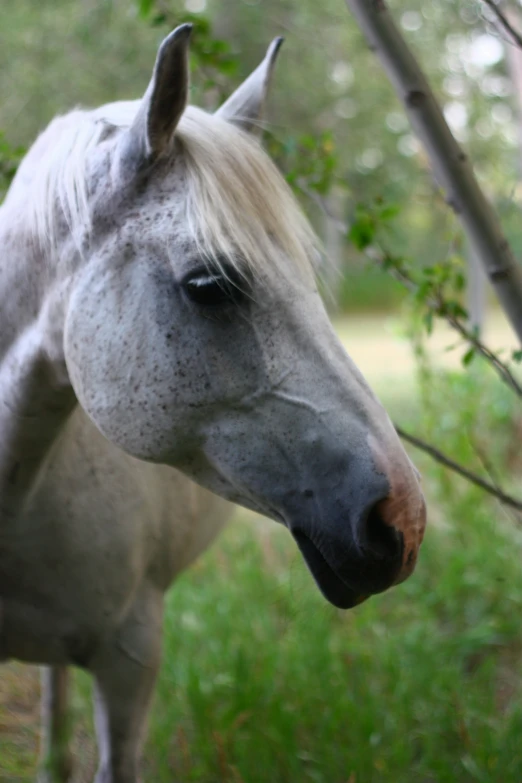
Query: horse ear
x,y
245,107
164,101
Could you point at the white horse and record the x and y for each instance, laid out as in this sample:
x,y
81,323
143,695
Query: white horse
x,y
159,314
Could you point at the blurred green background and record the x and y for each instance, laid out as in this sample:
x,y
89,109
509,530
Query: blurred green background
x,y
263,682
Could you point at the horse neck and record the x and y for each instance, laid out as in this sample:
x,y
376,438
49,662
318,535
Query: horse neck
x,y
35,394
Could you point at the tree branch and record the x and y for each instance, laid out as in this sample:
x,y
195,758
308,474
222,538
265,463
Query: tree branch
x,y
437,455
402,276
504,22
498,365
450,164
488,467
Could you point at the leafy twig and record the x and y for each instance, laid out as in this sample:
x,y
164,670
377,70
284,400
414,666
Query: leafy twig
x,y
451,166
439,456
437,302
488,467
321,202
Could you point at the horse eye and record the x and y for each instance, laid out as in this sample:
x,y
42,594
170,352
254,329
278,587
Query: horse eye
x,y
211,290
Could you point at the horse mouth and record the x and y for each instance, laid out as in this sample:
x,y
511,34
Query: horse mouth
x,y
334,589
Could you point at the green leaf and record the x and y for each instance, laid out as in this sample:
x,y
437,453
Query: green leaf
x,y
468,357
424,291
428,321
460,281
517,356
391,262
389,211
145,7
362,231
158,20
455,309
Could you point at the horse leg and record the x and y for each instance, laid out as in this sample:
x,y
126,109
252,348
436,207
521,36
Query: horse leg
x,y
125,672
56,759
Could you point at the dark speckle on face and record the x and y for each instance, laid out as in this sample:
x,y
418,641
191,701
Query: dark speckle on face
x,y
259,403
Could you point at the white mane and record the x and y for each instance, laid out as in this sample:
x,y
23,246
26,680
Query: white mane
x,y
238,205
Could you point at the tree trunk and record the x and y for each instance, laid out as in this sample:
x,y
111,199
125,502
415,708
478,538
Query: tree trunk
x,y
514,58
450,164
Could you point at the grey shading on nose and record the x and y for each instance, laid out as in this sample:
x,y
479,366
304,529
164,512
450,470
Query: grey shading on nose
x,y
352,552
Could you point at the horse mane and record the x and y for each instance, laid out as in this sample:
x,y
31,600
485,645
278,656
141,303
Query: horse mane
x,y
238,206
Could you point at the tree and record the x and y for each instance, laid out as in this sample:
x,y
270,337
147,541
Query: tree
x,y
450,164
454,173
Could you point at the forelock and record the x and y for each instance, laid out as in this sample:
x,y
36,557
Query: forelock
x,y
238,206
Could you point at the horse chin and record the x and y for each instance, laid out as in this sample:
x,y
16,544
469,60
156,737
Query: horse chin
x,y
334,589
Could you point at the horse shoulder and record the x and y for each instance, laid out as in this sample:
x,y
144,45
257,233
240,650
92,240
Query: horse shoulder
x,y
191,519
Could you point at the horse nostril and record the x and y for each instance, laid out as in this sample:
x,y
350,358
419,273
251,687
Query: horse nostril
x,y
382,539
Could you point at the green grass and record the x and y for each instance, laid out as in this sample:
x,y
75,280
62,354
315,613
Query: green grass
x,y
264,682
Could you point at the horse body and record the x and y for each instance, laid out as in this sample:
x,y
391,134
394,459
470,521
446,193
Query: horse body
x,y
100,528
160,324
91,537
95,516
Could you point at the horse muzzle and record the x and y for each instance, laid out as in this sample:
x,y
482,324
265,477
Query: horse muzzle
x,y
359,555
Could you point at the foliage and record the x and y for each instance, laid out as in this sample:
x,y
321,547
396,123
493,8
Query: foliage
x,y
436,290
483,429
309,162
10,157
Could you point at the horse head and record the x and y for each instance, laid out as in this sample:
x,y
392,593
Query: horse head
x,y
194,334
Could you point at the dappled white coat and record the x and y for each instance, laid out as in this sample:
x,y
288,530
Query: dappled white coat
x,y
115,373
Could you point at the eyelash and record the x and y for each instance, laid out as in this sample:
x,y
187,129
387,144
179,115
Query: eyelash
x,y
214,291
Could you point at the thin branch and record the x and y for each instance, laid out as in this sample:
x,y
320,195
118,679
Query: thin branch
x,y
450,164
488,467
437,455
498,365
490,470
437,303
514,35
402,276
321,202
